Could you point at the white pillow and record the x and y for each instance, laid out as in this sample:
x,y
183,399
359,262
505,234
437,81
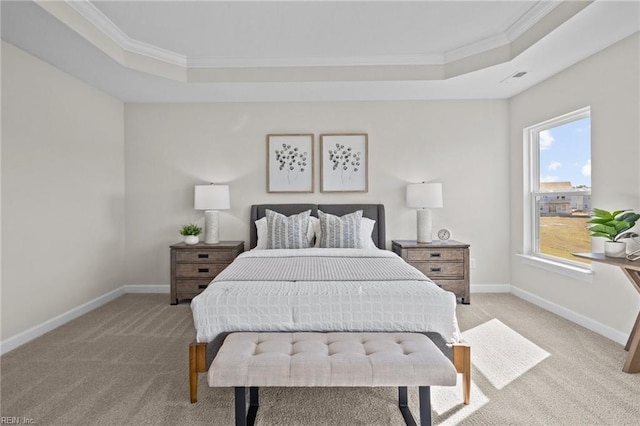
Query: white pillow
x,y
261,227
366,229
314,222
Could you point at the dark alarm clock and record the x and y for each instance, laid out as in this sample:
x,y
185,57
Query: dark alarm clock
x,y
444,234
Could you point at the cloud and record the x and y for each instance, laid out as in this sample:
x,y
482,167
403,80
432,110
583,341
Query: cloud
x,y
586,169
544,179
545,139
555,165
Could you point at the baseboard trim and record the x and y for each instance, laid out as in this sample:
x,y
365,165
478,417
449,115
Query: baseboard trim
x,y
586,322
26,336
490,288
140,288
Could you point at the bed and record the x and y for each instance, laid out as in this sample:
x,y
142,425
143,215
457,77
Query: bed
x,y
362,289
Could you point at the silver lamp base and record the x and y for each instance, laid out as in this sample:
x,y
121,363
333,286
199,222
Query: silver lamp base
x,y
211,227
424,226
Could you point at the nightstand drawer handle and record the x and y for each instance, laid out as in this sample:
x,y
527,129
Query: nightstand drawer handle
x,y
435,254
203,256
202,286
203,270
435,269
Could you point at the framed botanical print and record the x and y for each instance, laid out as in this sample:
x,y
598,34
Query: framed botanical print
x,y
343,162
290,163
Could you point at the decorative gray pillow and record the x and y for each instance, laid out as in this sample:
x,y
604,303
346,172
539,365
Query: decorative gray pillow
x,y
340,232
287,232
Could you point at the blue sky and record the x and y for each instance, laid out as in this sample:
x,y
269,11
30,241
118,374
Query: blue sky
x,y
565,153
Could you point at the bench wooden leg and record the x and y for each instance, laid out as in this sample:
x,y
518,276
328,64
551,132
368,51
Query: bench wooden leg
x,y
246,411
462,363
197,364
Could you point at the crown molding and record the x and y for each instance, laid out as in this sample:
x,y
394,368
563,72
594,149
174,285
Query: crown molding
x,y
382,60
92,14
524,23
476,48
530,18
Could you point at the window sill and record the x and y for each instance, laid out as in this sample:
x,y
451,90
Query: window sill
x,y
576,272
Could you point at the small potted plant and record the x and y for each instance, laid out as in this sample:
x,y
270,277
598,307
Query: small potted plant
x,y
191,232
613,226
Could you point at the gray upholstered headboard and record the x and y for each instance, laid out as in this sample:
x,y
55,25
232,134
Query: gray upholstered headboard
x,y
372,211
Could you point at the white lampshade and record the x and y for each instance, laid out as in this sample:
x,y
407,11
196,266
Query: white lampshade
x,y
424,195
211,197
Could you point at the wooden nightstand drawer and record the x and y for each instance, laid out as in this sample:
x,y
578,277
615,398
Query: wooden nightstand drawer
x,y
445,262
198,270
193,267
191,286
435,254
440,269
205,256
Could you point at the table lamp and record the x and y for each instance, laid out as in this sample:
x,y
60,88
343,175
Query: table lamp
x,y
211,198
424,196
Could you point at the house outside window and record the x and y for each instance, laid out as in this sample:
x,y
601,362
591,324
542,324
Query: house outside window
x,y
558,201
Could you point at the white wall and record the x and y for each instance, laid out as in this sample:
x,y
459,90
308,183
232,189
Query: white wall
x,y
171,147
62,192
609,83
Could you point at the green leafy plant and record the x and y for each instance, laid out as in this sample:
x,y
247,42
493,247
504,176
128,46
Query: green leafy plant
x,y
612,225
190,229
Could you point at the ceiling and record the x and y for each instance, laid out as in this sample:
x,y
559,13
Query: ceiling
x,y
214,51
305,33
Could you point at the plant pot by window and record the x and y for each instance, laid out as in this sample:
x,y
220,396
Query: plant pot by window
x,y
615,249
191,239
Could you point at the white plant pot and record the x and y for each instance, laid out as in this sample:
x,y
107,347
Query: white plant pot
x,y
191,239
615,249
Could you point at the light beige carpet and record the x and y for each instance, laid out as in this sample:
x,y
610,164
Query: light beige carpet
x,y
126,363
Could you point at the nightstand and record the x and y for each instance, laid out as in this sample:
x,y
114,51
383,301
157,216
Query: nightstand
x,y
193,266
445,262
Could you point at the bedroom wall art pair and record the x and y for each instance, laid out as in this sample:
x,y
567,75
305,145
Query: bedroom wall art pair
x,y
343,162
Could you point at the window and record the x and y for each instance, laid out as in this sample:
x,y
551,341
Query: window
x,y
558,179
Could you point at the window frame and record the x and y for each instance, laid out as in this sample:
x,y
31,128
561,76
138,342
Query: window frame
x,y
532,191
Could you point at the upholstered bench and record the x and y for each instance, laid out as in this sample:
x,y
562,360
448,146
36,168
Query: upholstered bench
x,y
247,361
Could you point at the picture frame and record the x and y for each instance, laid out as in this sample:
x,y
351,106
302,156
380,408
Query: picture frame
x,y
290,162
344,162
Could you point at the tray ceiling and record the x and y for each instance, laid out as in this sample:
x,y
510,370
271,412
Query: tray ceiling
x,y
261,51
302,33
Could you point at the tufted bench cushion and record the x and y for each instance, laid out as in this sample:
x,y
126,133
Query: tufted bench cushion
x,y
248,361
330,359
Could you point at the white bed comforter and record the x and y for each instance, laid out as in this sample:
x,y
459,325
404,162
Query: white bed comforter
x,y
323,290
